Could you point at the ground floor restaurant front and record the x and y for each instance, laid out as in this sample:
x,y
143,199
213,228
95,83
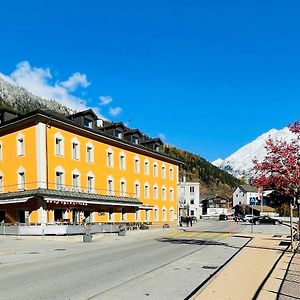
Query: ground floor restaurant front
x,y
69,211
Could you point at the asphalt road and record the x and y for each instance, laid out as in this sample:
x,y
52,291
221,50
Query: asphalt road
x,y
163,264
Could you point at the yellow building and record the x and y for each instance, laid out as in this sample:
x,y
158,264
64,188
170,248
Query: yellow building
x,y
55,168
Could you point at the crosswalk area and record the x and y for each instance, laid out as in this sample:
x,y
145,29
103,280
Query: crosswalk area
x,y
187,234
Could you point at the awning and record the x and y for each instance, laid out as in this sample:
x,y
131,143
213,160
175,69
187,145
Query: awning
x,y
15,200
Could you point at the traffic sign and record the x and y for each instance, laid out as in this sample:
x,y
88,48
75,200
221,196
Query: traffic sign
x,y
253,201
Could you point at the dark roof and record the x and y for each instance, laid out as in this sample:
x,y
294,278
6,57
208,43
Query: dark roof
x,y
149,141
113,125
83,113
132,131
248,188
69,194
213,197
57,117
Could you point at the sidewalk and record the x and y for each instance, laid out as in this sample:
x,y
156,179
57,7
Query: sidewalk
x,y
256,272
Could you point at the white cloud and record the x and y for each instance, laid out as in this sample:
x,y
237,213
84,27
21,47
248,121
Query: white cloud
x,y
77,79
115,111
38,82
104,100
162,136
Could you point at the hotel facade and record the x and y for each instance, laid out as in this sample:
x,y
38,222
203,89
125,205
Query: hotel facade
x,y
56,168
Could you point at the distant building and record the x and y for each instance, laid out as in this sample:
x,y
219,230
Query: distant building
x,y
189,199
215,205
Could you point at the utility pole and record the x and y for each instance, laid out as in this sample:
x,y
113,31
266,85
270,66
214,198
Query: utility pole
x,y
291,224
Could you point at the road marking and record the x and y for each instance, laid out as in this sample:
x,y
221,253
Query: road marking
x,y
197,234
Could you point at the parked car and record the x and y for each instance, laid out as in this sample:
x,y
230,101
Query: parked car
x,y
265,220
224,217
247,218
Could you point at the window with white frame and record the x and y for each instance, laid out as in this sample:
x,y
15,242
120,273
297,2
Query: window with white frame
x,y
110,186
0,151
164,214
20,145
171,174
171,214
59,180
156,214
123,187
136,165
146,167
110,158
171,194
89,153
75,182
90,183
75,149
21,180
59,144
122,161
155,169
192,190
155,192
146,191
163,171
1,183
147,214
163,193
137,189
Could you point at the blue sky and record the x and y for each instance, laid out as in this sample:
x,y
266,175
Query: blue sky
x,y
207,76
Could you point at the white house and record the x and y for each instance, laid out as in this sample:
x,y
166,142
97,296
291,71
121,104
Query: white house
x,y
243,194
189,199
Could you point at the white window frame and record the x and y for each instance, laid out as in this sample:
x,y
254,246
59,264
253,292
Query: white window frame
x,y
164,214
171,173
122,161
110,158
163,193
155,169
123,187
60,170
146,166
137,188
155,192
137,214
1,151
163,171
59,137
89,148
20,145
146,190
90,188
75,152
1,182
171,194
136,164
156,213
110,189
76,188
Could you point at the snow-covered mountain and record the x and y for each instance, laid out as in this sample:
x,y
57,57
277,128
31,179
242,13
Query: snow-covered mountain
x,y
240,163
19,99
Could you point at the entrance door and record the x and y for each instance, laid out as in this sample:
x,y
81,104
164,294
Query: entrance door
x,y
2,216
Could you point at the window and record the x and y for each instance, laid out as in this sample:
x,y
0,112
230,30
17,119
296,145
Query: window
x,y
192,213
163,172
118,134
110,159
171,214
58,146
146,167
75,182
164,215
163,193
192,190
89,153
0,150
90,184
59,180
88,123
110,186
155,173
137,189
171,174
146,194
192,201
75,150
135,140
122,188
1,184
20,146
122,161
156,214
136,165
171,195
155,192
147,212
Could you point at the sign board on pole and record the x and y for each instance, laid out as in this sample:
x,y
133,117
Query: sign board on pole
x,y
252,201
